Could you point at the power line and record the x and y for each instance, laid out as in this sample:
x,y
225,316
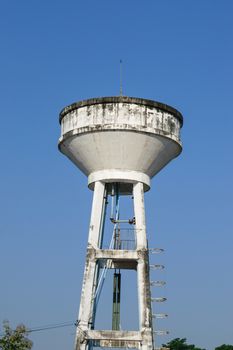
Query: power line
x,y
48,327
51,326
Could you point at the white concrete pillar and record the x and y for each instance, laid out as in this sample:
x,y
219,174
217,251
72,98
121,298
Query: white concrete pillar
x,y
141,244
96,214
90,271
139,212
147,346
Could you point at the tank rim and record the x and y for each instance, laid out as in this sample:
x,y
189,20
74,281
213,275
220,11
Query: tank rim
x,y
120,99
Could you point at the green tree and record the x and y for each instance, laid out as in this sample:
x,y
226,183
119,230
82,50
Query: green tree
x,y
15,339
180,344
224,347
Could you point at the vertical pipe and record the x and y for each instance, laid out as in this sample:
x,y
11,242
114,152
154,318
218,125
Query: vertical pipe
x,y
103,218
116,301
100,243
116,276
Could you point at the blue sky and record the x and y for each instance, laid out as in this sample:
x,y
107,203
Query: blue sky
x,y
56,52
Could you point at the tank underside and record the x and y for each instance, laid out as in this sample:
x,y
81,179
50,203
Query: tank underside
x,y
127,151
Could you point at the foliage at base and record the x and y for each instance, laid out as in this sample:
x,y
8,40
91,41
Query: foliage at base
x,y
180,344
15,339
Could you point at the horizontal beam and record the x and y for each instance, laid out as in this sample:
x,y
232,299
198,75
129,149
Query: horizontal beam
x,y
116,254
118,264
117,259
114,335
126,344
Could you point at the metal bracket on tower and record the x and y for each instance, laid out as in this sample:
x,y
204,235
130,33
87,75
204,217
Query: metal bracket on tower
x,y
157,283
156,250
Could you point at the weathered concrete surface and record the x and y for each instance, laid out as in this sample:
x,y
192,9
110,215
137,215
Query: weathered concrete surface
x,y
127,141
116,254
116,339
135,137
96,258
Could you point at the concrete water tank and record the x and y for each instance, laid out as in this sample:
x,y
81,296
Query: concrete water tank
x,y
120,139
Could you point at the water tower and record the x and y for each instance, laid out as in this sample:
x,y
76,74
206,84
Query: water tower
x,y
119,143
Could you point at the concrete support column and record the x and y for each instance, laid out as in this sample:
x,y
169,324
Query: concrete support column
x,y
91,268
141,245
142,268
139,212
96,214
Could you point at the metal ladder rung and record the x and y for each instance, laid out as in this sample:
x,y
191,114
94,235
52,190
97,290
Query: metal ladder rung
x,y
160,315
161,332
158,299
157,283
156,250
157,267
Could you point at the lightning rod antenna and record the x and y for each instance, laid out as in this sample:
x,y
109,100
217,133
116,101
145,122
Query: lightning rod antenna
x,y
121,90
